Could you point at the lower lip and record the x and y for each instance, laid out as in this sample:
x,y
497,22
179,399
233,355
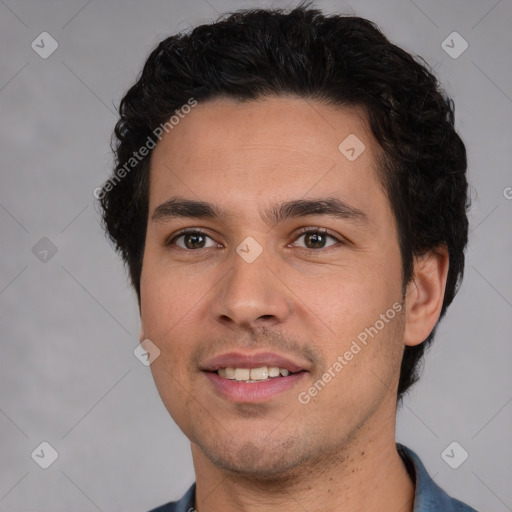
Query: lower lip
x,y
253,392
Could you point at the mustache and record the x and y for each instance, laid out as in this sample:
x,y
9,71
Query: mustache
x,y
265,339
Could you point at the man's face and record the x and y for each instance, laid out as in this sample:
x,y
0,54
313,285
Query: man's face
x,y
249,289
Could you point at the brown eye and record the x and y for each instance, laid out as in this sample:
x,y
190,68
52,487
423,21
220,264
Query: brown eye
x,y
315,239
192,240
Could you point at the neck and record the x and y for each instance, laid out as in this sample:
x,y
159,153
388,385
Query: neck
x,y
367,473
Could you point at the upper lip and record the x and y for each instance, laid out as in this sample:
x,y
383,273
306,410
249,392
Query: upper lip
x,y
241,360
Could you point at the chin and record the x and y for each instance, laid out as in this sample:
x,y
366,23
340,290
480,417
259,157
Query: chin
x,y
265,462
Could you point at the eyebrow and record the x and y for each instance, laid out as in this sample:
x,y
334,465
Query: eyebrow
x,y
177,207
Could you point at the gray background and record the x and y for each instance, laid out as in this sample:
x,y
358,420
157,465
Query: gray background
x,y
70,324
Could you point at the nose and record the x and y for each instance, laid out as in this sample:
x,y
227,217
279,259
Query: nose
x,y
251,295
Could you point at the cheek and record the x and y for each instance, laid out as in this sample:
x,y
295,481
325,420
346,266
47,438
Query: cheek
x,y
169,297
166,304
168,300
348,299
361,322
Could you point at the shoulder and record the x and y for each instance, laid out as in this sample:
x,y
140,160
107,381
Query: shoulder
x,y
185,504
429,496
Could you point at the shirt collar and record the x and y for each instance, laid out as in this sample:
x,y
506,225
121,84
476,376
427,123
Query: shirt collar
x,y
187,503
428,495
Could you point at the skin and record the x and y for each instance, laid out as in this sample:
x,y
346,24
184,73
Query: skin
x,y
305,301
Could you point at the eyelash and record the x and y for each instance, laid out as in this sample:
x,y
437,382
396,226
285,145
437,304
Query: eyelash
x,y
303,231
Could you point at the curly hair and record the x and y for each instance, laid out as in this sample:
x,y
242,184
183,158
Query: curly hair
x,y
335,59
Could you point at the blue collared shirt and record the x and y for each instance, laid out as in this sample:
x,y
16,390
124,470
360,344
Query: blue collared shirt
x,y
429,497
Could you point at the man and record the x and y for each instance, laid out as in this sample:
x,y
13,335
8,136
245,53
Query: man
x,y
290,198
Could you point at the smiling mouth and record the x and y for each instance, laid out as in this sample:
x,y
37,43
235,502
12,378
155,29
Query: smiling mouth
x,y
253,375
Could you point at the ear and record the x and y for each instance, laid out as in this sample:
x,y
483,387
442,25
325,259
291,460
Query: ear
x,y
425,294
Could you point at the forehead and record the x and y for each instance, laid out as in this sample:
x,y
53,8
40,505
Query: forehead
x,y
245,153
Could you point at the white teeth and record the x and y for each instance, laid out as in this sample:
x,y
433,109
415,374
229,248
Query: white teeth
x,y
242,373
273,371
223,372
229,373
259,373
252,374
